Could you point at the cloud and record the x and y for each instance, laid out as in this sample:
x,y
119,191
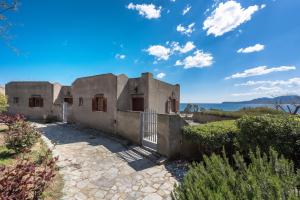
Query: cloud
x,y
262,6
186,30
159,51
148,11
199,60
261,70
186,9
251,49
227,16
293,82
189,46
160,75
120,56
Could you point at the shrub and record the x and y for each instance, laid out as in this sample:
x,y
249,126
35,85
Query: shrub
x,y
10,119
266,177
211,137
243,112
3,103
26,179
21,135
281,132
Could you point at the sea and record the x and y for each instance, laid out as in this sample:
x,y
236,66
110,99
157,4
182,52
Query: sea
x,y
226,106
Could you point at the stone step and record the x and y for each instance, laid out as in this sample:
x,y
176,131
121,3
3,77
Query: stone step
x,y
148,153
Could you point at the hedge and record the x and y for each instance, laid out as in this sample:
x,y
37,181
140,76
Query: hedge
x,y
281,132
211,137
266,177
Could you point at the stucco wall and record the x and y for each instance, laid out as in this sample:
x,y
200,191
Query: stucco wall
x,y
24,90
160,92
2,90
128,126
87,88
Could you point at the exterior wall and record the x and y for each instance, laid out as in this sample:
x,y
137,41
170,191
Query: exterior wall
x,y
128,126
160,92
2,90
24,90
170,135
87,88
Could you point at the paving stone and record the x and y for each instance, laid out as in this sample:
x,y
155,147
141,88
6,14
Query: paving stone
x,y
99,169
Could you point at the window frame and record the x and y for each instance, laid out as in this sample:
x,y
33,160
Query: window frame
x,y
36,101
99,103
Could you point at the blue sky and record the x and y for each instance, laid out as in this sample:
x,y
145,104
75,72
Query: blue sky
x,y
216,50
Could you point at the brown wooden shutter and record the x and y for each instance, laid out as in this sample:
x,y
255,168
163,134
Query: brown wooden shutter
x,y
105,104
30,102
93,104
41,102
177,106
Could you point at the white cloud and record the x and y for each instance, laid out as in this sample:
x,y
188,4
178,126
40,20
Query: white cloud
x,y
159,51
227,16
148,11
251,49
287,83
199,59
261,70
262,6
186,30
186,9
120,56
161,75
189,46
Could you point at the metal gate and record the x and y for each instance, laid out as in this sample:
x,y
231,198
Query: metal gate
x,y
65,112
149,129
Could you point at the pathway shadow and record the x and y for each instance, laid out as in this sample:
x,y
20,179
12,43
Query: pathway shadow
x,y
60,133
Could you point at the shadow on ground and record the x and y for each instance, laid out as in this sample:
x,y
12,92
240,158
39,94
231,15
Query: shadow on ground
x,y
60,134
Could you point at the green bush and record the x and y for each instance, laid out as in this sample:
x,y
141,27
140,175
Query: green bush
x,y
243,112
21,136
281,132
211,137
266,177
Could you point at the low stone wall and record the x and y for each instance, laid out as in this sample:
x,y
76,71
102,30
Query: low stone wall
x,y
128,125
205,118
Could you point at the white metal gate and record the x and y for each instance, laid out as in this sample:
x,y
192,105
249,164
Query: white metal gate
x,y
149,129
65,112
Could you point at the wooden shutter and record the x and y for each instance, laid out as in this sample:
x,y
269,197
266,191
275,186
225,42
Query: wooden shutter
x,y
41,102
94,104
177,106
105,104
30,102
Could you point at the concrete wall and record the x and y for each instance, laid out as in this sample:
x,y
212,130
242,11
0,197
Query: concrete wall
x,y
170,135
128,126
24,90
160,92
87,88
2,90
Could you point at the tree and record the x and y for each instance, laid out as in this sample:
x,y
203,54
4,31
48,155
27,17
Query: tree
x,y
292,108
3,103
7,6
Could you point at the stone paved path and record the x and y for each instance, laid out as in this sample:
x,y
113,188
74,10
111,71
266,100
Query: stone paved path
x,y
96,167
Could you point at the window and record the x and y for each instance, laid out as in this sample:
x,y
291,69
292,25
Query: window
x,y
99,103
36,101
16,100
137,104
68,100
80,101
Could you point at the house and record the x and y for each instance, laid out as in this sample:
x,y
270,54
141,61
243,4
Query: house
x,y
140,109
94,100
35,100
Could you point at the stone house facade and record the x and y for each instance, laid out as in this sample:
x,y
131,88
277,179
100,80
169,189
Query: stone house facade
x,y
2,90
93,100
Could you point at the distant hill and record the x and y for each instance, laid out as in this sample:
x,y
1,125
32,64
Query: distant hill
x,y
290,99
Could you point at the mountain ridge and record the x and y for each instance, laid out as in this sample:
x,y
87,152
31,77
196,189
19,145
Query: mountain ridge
x,y
288,99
